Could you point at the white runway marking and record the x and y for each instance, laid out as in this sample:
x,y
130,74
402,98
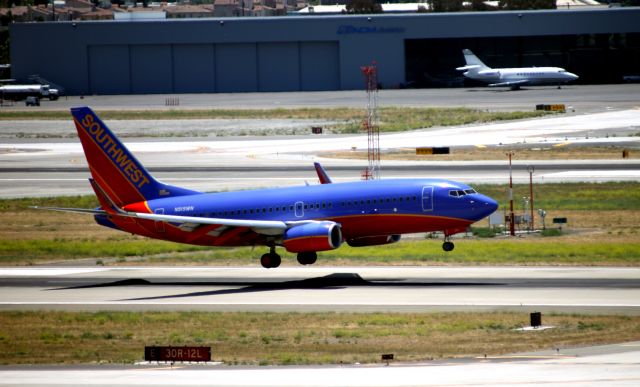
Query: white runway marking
x,y
36,272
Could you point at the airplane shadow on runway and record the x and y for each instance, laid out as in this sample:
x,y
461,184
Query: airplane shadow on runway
x,y
331,281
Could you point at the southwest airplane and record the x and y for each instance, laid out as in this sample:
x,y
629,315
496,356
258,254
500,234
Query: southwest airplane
x,y
303,220
513,77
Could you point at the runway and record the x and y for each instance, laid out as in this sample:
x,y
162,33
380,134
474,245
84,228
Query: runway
x,y
362,289
612,365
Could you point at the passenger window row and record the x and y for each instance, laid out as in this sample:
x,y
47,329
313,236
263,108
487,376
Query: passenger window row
x,y
307,206
400,199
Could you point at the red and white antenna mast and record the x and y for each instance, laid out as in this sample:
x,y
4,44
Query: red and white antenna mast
x,y
371,123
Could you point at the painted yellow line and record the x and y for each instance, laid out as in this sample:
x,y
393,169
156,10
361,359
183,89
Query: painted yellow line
x,y
562,144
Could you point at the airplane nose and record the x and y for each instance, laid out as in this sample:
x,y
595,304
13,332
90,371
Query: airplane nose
x,y
486,207
491,206
573,76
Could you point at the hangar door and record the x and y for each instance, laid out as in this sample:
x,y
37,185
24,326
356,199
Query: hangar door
x,y
109,69
282,66
319,66
151,69
278,67
305,66
214,68
193,68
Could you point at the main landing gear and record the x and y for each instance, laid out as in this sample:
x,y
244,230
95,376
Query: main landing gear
x,y
271,259
447,245
307,258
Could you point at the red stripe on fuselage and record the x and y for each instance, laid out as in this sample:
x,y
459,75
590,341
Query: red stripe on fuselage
x,y
358,226
355,226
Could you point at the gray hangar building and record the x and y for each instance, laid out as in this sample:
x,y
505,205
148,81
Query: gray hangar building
x,y
310,53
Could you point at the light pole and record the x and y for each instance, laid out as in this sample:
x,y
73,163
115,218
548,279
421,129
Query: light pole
x,y
531,169
512,225
525,209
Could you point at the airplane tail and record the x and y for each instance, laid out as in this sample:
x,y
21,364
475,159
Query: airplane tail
x,y
473,63
114,169
472,60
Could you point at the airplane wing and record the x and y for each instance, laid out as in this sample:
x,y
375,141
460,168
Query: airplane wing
x,y
270,227
258,225
511,83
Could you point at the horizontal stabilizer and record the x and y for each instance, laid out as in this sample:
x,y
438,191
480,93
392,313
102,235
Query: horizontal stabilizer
x,y
75,210
469,67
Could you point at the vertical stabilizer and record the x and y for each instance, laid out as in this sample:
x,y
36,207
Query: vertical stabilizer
x,y
322,174
122,177
472,60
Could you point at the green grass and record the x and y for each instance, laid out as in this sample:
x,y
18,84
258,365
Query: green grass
x,y
571,196
551,232
34,251
349,120
498,252
550,251
293,338
22,204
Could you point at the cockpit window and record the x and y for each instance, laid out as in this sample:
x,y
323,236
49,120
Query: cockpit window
x,y
459,193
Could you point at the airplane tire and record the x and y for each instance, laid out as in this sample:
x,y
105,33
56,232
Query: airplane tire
x,y
265,261
448,246
270,260
307,258
275,260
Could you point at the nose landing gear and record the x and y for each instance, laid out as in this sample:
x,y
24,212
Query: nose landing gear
x,y
447,245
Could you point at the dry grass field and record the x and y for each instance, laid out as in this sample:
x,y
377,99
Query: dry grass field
x,y
294,338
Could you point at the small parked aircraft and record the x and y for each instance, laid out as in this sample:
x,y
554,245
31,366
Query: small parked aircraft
x,y
513,77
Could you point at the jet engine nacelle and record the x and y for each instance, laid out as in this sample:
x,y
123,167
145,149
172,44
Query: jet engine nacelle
x,y
490,73
309,237
373,240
